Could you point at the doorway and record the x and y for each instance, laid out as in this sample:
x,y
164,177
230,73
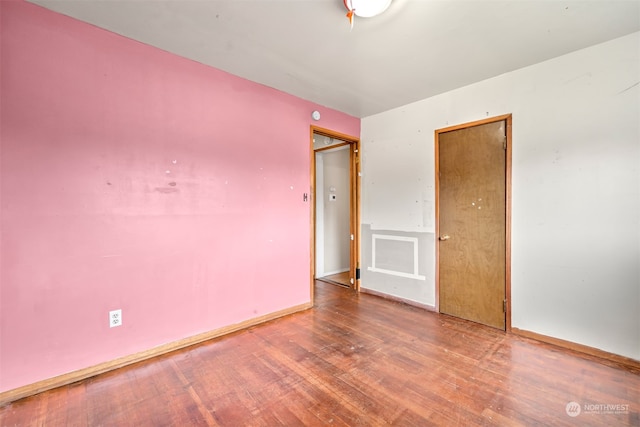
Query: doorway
x,y
335,208
473,171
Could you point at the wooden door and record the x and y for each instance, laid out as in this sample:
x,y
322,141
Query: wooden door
x,y
472,222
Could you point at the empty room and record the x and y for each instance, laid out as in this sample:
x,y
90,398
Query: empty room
x,y
319,212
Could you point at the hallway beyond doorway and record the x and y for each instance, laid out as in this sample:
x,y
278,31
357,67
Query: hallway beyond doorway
x,y
341,279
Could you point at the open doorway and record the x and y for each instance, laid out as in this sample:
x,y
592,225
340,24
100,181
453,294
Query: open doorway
x,y
332,205
335,208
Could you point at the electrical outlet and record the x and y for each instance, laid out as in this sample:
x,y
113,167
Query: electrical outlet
x,y
115,318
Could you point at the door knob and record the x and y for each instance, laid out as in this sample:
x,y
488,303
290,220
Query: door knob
x,y
444,237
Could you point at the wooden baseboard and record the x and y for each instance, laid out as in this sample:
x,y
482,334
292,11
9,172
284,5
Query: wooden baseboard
x,y
398,299
592,351
9,396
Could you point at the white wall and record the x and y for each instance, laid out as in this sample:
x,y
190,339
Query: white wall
x,y
576,188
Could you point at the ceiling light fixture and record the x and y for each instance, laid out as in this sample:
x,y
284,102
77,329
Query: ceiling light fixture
x,y
365,8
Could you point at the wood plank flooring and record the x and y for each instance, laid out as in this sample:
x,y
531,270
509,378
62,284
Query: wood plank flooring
x,y
339,278
353,360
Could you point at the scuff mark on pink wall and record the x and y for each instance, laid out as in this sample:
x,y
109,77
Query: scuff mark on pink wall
x,y
137,180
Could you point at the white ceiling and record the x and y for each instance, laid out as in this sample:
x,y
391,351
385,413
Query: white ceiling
x,y
417,49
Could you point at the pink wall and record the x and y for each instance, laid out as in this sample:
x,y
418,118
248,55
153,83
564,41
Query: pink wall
x,y
95,128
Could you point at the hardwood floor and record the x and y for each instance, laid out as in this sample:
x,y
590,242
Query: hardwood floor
x,y
339,278
354,359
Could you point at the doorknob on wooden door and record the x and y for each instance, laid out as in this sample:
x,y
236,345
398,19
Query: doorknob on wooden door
x,y
444,237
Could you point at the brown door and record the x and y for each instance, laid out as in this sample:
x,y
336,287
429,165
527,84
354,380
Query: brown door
x,y
472,222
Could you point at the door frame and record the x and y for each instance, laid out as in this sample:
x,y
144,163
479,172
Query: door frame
x,y
354,203
507,291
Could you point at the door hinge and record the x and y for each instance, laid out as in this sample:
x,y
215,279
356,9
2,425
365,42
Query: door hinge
x,y
504,306
504,143
352,237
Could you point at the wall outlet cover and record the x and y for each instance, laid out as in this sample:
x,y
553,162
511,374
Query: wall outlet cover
x,y
115,318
